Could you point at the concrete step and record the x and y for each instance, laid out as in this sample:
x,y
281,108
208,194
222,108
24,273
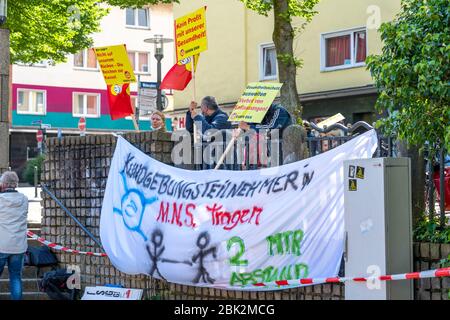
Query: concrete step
x,y
27,272
28,285
27,296
34,225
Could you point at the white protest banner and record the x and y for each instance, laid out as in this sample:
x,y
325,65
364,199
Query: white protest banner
x,y
111,293
227,229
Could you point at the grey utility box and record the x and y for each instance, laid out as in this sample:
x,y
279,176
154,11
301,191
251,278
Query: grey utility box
x,y
377,202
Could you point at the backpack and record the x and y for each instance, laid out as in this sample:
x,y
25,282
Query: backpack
x,y
40,257
54,283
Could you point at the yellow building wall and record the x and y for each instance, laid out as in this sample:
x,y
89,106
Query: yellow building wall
x,y
221,69
235,35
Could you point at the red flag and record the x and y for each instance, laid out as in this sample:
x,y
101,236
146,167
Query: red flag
x,y
119,101
179,75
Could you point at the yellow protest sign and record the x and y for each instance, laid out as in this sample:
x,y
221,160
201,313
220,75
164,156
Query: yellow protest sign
x,y
255,101
190,34
331,120
115,65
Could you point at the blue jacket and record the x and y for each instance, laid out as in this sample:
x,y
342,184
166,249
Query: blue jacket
x,y
218,120
277,117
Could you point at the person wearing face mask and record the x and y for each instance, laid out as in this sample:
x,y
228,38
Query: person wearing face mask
x,y
210,116
158,121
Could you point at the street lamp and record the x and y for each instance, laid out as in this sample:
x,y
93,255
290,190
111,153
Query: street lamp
x,y
3,11
159,41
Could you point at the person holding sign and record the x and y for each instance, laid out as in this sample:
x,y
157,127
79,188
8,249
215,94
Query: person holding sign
x,y
210,116
277,117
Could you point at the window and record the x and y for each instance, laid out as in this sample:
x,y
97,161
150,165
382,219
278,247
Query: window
x,y
268,62
85,59
138,18
86,105
343,50
31,101
139,61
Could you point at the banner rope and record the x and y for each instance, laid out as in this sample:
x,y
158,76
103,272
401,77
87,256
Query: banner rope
x,y
62,248
435,273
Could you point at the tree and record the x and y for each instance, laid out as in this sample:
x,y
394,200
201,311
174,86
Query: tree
x,y
412,73
412,77
283,37
51,29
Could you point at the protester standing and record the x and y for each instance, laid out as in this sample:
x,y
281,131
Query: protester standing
x,y
158,120
210,116
13,231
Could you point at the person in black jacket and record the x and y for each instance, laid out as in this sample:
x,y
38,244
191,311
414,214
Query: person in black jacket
x,y
277,117
211,116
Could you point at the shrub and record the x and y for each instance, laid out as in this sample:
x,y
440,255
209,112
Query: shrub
x,y
430,231
28,174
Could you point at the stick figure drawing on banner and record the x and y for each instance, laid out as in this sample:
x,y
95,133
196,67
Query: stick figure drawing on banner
x,y
158,249
202,242
133,204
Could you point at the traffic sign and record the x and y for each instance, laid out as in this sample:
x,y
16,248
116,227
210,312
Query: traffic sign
x,y
82,126
148,92
39,136
147,96
148,85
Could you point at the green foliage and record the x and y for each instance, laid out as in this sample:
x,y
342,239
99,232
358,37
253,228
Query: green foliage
x,y
28,174
289,59
412,73
136,3
445,263
51,29
429,231
297,8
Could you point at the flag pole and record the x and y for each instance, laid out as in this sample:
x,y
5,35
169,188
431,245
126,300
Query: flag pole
x,y
227,150
136,126
133,117
193,75
197,137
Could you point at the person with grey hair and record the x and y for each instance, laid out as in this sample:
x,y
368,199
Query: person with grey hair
x,y
211,116
13,231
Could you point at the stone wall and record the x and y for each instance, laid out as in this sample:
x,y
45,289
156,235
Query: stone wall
x,y
76,170
427,256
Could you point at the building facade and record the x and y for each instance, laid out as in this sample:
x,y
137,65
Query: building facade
x,y
59,95
333,48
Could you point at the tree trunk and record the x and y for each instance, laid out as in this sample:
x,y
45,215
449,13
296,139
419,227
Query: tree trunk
x,y
417,179
283,38
4,99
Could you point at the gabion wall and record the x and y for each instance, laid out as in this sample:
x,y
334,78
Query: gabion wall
x,y
76,171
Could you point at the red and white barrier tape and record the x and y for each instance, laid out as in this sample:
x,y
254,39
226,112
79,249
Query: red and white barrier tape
x,y
436,273
62,248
